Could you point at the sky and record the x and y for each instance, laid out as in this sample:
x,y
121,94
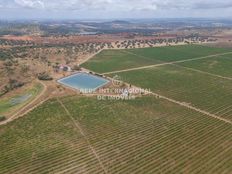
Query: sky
x,y
114,9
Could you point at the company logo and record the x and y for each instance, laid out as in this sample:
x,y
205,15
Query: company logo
x,y
117,81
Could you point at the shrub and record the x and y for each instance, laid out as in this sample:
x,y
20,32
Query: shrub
x,y
11,85
99,75
44,76
15,84
2,118
2,92
76,68
8,63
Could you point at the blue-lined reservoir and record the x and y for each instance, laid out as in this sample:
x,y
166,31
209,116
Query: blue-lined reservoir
x,y
84,82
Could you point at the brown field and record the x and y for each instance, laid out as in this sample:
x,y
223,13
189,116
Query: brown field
x,y
103,38
17,38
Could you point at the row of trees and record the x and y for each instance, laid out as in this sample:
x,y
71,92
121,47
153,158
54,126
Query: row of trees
x,y
11,85
7,42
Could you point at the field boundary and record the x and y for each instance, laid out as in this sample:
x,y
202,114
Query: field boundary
x,y
165,63
77,125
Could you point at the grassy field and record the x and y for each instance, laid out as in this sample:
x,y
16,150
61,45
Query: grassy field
x,y
145,135
112,60
13,103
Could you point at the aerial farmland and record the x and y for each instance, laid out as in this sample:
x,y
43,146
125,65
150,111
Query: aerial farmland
x,y
115,87
185,117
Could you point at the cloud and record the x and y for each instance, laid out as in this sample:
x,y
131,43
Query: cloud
x,y
213,5
117,4
119,8
37,4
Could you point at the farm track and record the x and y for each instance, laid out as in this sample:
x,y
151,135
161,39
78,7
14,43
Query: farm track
x,y
166,63
77,125
91,56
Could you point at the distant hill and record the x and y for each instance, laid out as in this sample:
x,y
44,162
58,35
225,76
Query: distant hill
x,y
121,22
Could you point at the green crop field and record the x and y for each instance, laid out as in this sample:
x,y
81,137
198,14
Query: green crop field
x,y
145,135
202,82
204,91
112,60
176,53
221,65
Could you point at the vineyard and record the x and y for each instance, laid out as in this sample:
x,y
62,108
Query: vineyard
x,y
112,60
146,135
220,65
77,134
198,76
212,94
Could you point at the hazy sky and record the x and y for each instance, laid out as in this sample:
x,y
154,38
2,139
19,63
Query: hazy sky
x,y
105,9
